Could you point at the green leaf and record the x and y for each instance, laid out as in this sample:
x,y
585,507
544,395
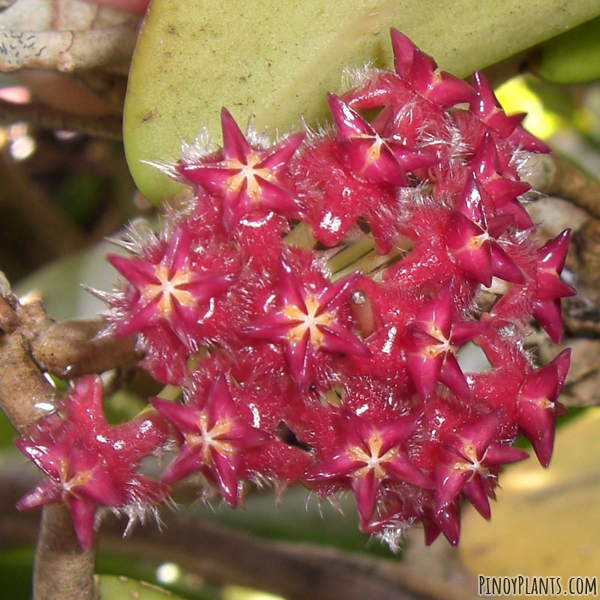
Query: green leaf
x,y
573,57
123,588
299,517
274,61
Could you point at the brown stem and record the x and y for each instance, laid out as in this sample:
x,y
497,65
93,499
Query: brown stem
x,y
74,348
563,178
45,117
62,569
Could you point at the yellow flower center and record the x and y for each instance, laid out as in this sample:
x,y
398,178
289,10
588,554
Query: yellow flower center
x,y
208,438
247,173
168,289
372,458
474,465
309,321
443,346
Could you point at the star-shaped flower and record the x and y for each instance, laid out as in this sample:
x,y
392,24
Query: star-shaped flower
x,y
469,460
422,73
214,436
488,109
171,291
89,463
550,289
247,178
472,239
370,156
307,322
500,182
371,454
431,342
538,405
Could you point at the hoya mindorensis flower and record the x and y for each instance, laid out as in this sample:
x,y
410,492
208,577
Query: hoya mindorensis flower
x,y
313,299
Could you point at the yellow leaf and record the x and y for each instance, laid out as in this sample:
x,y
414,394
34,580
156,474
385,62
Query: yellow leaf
x,y
547,521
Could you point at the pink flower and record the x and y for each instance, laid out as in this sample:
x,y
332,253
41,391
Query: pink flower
x,y
214,438
247,178
89,463
307,322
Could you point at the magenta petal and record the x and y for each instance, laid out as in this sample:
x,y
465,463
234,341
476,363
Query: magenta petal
x,y
423,72
431,531
550,287
338,466
503,266
465,331
185,418
499,454
139,319
553,254
404,52
521,138
213,178
472,205
289,287
485,162
334,295
101,488
299,358
187,461
45,493
449,483
472,256
347,121
448,521
503,191
424,372
403,469
475,492
481,432
205,286
538,426
450,90
234,142
562,363
274,327
138,272
519,216
373,161
276,198
365,490
280,155
549,316
338,339
452,376
226,473
84,516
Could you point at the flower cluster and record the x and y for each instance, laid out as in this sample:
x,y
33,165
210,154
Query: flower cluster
x,y
313,299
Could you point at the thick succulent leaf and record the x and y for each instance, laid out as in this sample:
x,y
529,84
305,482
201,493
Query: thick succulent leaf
x,y
275,61
122,588
574,56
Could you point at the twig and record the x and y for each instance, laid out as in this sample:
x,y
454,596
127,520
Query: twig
x,y
69,50
62,569
563,178
74,348
45,117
